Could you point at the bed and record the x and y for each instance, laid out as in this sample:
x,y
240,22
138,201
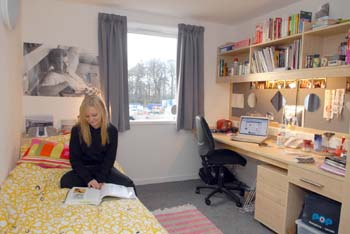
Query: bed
x,y
31,201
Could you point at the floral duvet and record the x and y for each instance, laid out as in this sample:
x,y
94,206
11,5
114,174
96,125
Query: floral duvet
x,y
32,202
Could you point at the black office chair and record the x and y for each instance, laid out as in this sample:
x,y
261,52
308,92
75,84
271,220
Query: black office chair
x,y
212,157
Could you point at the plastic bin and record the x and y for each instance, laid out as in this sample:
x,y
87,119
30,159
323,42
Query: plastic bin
x,y
321,213
303,228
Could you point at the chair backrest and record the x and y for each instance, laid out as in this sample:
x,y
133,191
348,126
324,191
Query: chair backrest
x,y
205,139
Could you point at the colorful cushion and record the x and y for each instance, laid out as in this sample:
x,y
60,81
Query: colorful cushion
x,y
47,154
27,141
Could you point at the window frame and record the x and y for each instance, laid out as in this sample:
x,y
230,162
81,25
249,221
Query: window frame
x,y
160,31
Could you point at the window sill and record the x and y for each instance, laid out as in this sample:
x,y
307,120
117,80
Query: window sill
x,y
152,122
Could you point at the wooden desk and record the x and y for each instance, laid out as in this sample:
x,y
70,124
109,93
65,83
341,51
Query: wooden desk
x,y
282,184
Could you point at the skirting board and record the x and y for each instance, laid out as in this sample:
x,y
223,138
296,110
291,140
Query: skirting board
x,y
157,180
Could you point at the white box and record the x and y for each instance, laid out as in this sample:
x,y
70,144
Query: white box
x,y
303,228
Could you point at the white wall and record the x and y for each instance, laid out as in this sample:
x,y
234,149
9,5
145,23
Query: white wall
x,y
10,98
148,152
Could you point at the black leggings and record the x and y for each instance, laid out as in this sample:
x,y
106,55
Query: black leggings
x,y
72,179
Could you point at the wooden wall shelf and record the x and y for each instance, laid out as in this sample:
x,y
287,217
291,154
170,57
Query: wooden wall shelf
x,y
285,40
242,50
323,41
334,71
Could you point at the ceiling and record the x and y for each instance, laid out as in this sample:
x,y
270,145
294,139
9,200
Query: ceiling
x,y
219,11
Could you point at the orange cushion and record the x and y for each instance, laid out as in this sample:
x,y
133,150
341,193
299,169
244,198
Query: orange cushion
x,y
47,154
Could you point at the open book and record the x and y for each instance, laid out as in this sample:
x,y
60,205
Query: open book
x,y
84,195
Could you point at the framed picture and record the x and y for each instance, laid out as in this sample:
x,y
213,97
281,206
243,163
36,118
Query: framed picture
x,y
38,121
58,70
293,115
270,84
258,85
275,84
305,84
319,83
291,84
280,84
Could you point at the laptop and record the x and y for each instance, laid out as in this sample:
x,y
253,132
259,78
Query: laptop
x,y
252,129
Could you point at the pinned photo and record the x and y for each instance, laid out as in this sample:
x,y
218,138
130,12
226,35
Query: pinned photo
x,y
319,83
280,84
305,84
275,84
291,84
258,85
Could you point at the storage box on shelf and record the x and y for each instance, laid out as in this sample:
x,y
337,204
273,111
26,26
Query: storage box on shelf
x,y
320,41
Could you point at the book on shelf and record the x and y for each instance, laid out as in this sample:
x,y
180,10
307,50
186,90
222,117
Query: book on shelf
x,y
91,196
334,164
258,34
279,27
340,160
304,159
277,58
234,45
226,48
241,43
304,16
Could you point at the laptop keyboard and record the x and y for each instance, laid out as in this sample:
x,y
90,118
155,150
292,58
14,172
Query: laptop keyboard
x,y
251,139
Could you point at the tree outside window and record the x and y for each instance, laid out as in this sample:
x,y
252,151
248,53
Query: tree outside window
x,y
152,77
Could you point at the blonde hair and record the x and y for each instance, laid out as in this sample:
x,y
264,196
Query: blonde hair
x,y
96,102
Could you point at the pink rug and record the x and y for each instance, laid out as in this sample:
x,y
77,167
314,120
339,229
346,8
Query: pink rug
x,y
185,220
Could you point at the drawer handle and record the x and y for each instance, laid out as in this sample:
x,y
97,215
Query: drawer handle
x,y
311,182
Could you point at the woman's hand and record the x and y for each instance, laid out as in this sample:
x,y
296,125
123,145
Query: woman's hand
x,y
94,184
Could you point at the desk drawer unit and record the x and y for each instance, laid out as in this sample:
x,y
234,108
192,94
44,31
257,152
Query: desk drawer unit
x,y
271,197
318,183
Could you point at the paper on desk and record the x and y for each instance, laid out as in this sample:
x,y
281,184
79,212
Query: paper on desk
x,y
237,100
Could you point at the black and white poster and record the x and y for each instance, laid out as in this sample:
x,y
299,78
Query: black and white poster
x,y
59,71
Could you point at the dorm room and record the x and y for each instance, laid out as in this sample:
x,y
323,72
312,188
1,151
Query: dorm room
x,y
236,82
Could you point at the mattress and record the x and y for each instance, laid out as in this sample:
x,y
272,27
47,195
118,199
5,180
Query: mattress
x,y
31,201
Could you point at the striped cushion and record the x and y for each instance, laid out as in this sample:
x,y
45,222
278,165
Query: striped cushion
x,y
27,141
47,154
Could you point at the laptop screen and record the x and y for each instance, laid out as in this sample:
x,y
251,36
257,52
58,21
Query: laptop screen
x,y
254,126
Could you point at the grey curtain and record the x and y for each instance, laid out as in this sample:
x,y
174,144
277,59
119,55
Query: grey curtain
x,y
190,75
113,61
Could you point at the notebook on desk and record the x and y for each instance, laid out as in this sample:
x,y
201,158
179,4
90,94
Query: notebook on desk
x,y
252,129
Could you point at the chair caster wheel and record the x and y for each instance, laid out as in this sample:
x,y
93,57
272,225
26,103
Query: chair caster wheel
x,y
238,204
207,201
197,190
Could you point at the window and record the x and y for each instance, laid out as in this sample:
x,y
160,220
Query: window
x,y
152,77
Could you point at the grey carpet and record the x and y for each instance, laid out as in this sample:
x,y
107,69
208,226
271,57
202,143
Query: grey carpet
x,y
222,211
